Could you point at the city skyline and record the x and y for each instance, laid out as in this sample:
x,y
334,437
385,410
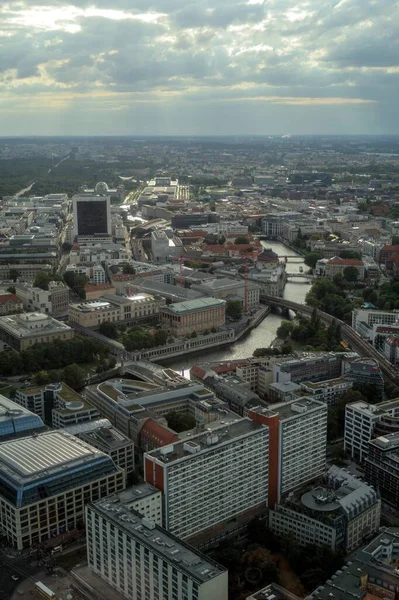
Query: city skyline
x,y
178,68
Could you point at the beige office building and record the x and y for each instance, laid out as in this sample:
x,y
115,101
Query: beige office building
x,y
23,330
184,318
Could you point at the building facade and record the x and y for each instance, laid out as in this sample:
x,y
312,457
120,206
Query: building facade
x,y
91,214
213,481
298,444
184,318
10,303
341,512
46,480
23,330
364,421
381,467
141,560
115,309
54,301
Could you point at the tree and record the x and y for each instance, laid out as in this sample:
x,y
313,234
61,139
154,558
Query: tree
x,y
351,274
160,337
74,376
76,283
311,259
11,289
180,421
14,274
109,330
349,254
65,247
42,280
41,378
286,349
128,270
234,309
241,240
284,330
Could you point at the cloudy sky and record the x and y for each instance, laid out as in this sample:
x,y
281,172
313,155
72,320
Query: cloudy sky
x,y
188,67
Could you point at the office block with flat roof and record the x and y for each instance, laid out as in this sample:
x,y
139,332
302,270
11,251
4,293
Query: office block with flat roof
x,y
142,560
214,482
46,480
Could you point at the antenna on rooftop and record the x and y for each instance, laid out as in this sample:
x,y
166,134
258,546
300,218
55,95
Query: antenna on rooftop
x,y
246,284
181,271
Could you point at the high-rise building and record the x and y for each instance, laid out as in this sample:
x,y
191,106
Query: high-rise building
x,y
212,483
91,215
381,467
365,421
297,443
141,560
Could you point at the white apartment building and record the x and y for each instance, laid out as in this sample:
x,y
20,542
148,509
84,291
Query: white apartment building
x,y
212,479
53,301
46,480
94,272
141,560
373,317
364,421
298,443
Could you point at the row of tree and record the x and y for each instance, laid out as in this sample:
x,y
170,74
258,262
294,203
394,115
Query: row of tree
x,y
55,355
330,297
312,333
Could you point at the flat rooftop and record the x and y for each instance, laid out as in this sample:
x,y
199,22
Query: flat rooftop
x,y
48,453
295,408
193,305
320,385
207,440
108,438
310,357
31,324
137,492
137,392
158,540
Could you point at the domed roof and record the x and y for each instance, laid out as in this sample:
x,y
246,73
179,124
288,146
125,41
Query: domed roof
x,y
267,255
101,187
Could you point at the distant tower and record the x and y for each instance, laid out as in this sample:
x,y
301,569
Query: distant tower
x,y
92,212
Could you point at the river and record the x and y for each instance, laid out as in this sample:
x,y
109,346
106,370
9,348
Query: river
x,y
263,335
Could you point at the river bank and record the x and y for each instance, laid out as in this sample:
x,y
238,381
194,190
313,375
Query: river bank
x,y
266,332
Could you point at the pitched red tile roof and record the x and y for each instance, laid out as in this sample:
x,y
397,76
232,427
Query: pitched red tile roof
x,y
348,262
4,298
393,258
158,434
